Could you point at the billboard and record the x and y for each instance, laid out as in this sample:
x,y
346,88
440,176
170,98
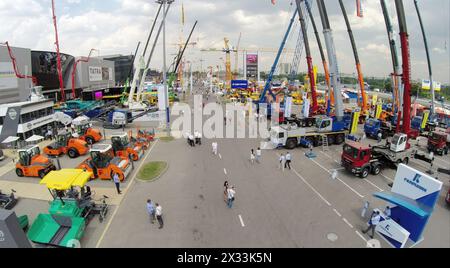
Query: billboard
x,y
252,66
8,79
426,85
239,84
95,74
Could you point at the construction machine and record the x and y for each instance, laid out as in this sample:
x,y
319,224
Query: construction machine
x,y
8,201
123,148
32,164
147,135
438,143
103,164
71,210
84,130
66,144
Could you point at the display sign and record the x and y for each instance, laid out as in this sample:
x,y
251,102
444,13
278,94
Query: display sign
x,y
239,84
8,79
426,85
394,232
288,107
252,66
95,74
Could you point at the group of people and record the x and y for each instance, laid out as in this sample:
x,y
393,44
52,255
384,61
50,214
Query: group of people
x,y
155,213
375,219
285,161
229,194
195,139
256,156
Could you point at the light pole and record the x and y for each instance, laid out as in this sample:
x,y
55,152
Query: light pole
x,y
166,93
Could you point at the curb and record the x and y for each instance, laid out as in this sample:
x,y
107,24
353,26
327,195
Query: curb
x,y
158,177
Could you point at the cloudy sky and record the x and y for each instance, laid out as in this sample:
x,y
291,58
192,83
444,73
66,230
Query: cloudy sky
x,y
115,27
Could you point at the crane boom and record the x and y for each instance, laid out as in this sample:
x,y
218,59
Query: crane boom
x,y
322,54
394,55
334,68
236,60
275,64
404,37
430,70
357,61
308,57
58,55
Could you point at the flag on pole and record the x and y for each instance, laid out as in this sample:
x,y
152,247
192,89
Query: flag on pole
x,y
359,9
182,14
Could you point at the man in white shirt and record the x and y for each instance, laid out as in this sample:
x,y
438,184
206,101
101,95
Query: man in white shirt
x,y
387,212
231,192
288,161
158,213
282,162
214,148
374,221
191,140
258,155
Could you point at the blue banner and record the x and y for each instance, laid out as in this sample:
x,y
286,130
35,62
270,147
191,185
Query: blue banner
x,y
239,84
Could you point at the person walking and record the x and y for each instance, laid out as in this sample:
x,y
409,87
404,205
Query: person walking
x,y
158,213
151,211
225,192
288,161
191,140
214,148
374,221
334,174
387,212
116,180
258,155
252,157
282,162
231,193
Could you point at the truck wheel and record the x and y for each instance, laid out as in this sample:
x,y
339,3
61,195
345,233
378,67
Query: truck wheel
x,y
365,173
72,153
310,124
446,151
19,172
41,174
291,143
331,139
340,139
376,170
90,140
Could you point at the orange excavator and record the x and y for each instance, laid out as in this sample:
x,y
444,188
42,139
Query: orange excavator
x,y
123,148
32,164
103,164
66,144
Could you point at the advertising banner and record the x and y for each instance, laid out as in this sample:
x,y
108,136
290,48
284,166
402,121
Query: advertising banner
x,y
8,79
239,84
252,66
426,85
95,74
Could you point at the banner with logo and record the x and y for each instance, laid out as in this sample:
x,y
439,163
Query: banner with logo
x,y
95,74
10,123
426,85
252,66
8,79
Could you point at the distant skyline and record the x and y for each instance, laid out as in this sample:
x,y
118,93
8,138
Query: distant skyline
x,y
116,26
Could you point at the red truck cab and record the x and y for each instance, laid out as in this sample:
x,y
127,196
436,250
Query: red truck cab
x,y
437,143
356,158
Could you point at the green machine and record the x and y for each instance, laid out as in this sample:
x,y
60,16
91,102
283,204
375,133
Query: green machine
x,y
69,212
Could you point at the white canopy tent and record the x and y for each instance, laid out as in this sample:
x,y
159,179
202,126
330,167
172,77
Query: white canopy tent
x,y
10,139
34,138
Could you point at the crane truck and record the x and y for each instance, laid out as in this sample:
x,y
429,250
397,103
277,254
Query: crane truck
x,y
362,160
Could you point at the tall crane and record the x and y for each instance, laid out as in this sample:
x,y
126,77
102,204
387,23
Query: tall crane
x,y
74,70
227,51
322,54
58,55
312,82
364,107
396,82
16,70
334,69
268,85
236,59
404,38
430,70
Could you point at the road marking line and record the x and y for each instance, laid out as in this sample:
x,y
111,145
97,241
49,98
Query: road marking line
x,y
386,177
346,221
339,169
362,237
312,188
220,156
123,197
242,221
348,186
339,214
225,171
420,164
369,182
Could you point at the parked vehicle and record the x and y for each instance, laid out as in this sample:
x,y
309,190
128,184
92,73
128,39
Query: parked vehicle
x,y
32,164
65,144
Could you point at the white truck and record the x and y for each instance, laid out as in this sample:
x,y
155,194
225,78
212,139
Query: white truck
x,y
291,136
